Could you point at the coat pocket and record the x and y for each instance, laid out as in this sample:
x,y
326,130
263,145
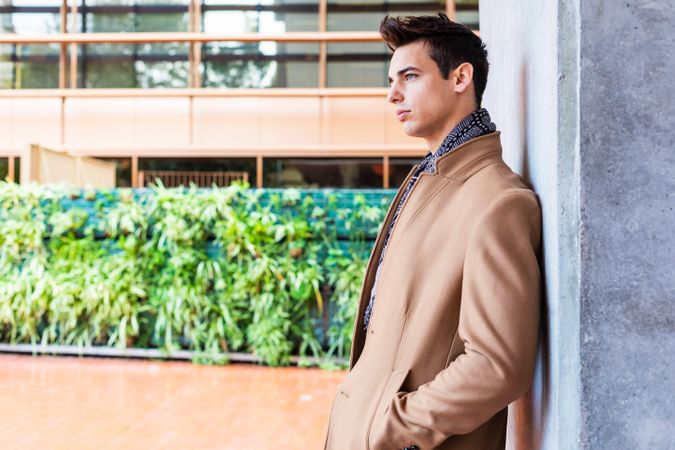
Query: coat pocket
x,y
344,420
393,386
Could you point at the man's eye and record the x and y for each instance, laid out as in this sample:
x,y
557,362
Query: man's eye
x,y
410,76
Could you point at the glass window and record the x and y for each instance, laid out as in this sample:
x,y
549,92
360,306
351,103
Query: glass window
x,y
122,171
194,170
4,168
260,64
365,64
264,64
30,16
29,66
357,64
133,66
399,169
96,16
17,170
467,13
242,16
323,172
359,15
149,65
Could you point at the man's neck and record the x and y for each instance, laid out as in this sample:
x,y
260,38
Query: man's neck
x,y
435,141
475,124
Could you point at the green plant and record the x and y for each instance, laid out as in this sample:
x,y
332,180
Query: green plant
x,y
209,270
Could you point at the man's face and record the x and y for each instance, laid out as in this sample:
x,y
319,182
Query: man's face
x,y
424,101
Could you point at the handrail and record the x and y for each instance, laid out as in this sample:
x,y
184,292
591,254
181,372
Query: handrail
x,y
175,178
191,37
193,92
323,150
268,151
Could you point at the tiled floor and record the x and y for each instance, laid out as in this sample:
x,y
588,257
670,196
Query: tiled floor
x,y
95,403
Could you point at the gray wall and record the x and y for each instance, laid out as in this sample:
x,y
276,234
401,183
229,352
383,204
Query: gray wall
x,y
627,113
583,94
540,137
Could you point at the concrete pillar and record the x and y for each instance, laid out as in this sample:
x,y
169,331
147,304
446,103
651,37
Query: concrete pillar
x,y
583,94
627,179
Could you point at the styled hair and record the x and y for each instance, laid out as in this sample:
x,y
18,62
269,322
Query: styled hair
x,y
449,44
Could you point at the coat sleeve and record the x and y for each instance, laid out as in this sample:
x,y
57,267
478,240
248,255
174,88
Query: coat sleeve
x,y
498,324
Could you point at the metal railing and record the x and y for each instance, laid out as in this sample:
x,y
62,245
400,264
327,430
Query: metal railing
x,y
176,178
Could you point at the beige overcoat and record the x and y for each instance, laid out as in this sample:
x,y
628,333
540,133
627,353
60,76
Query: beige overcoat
x,y
453,333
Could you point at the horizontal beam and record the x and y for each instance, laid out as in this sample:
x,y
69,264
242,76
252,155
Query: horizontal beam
x,y
156,37
207,57
190,37
191,92
318,151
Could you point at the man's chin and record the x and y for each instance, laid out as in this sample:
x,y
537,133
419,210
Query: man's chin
x,y
411,130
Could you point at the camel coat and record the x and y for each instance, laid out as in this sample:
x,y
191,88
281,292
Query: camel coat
x,y
453,333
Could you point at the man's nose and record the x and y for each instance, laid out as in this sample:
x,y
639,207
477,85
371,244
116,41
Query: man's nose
x,y
394,95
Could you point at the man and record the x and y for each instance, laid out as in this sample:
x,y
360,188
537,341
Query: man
x,y
446,332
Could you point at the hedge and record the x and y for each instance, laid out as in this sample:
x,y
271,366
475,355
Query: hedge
x,y
271,272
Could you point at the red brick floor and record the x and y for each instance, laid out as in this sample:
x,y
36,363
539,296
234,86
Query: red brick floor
x,y
97,403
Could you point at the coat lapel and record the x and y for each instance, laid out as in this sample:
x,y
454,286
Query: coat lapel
x,y
358,335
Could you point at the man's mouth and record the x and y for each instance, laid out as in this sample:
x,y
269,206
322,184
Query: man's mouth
x,y
402,114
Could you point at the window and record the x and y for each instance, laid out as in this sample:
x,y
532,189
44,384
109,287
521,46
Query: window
x,y
260,64
360,15
17,170
242,16
133,66
4,168
148,65
323,172
357,65
467,13
223,64
399,169
29,66
194,169
122,171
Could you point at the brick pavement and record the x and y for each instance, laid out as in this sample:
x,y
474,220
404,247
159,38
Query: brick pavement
x,y
98,403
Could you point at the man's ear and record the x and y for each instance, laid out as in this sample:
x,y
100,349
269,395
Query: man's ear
x,y
461,77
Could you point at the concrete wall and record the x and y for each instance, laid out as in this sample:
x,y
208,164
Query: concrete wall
x,y
526,81
583,94
627,116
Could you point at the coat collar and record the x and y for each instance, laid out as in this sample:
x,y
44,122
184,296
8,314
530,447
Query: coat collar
x,y
470,157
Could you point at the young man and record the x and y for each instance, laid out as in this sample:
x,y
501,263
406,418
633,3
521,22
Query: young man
x,y
447,325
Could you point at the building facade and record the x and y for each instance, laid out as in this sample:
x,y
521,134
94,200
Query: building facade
x,y
290,92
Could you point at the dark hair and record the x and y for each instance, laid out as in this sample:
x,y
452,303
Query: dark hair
x,y
450,44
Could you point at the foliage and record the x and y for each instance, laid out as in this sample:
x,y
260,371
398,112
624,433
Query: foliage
x,y
272,272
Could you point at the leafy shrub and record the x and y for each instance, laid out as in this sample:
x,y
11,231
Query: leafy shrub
x,y
209,270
